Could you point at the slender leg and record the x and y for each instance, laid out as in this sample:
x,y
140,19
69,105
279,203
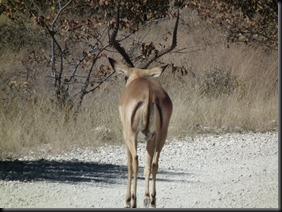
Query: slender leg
x,y
135,172
129,178
147,169
155,165
154,175
132,168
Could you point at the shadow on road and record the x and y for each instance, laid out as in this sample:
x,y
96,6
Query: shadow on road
x,y
61,171
69,171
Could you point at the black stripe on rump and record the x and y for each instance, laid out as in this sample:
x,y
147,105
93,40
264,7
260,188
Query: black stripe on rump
x,y
161,114
134,111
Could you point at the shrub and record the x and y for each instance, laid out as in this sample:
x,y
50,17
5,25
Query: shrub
x,y
217,82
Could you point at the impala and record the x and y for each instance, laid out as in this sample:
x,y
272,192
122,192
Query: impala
x,y
144,107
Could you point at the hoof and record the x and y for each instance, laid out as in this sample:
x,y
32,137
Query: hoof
x,y
153,205
153,201
127,205
133,201
147,202
134,205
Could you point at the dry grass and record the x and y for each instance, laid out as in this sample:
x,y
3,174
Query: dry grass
x,y
26,127
250,105
223,90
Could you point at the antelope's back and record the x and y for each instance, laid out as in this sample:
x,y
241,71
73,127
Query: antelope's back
x,y
143,92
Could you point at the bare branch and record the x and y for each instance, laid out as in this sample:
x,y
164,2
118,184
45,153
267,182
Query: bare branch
x,y
39,10
83,90
101,82
78,63
113,42
61,8
157,55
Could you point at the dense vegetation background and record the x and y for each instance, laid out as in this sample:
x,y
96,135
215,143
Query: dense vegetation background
x,y
58,91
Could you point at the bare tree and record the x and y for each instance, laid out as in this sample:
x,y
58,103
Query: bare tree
x,y
73,81
56,74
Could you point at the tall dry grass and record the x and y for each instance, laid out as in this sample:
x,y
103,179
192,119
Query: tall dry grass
x,y
251,105
41,126
244,98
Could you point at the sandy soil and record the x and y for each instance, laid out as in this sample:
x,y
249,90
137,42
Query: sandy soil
x,y
205,171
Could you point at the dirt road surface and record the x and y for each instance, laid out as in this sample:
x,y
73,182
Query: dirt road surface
x,y
238,170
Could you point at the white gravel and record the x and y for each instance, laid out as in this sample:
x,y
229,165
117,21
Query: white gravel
x,y
206,171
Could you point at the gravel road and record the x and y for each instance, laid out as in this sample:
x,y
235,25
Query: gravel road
x,y
206,171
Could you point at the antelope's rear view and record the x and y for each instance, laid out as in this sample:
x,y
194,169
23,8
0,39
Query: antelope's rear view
x,y
144,107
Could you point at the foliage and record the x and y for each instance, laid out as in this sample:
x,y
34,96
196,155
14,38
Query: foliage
x,y
134,13
245,21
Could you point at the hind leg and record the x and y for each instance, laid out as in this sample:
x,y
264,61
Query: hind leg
x,y
155,165
129,178
147,169
130,140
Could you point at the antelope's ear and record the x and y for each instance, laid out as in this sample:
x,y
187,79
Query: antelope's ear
x,y
119,67
155,72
